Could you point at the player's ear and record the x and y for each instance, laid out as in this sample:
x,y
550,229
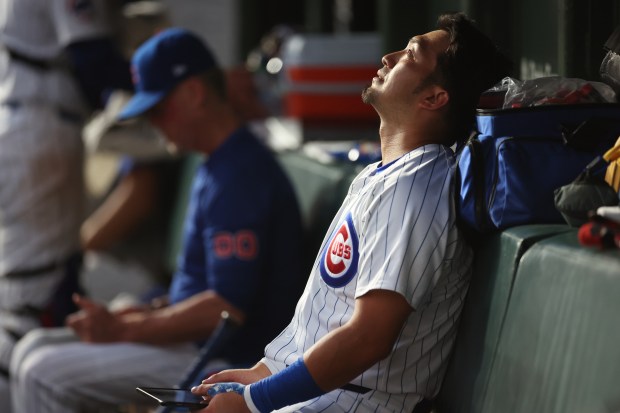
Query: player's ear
x,y
435,97
194,92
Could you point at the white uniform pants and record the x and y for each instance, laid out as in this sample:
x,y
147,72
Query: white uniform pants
x,y
342,401
51,372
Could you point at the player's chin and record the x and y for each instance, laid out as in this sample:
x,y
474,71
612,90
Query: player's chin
x,y
368,94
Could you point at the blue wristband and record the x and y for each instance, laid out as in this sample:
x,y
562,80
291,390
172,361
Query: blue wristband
x,y
292,385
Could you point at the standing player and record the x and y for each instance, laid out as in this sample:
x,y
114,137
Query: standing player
x,y
380,311
48,75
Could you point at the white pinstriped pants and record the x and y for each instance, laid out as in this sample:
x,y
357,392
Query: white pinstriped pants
x,y
52,372
14,293
341,401
5,396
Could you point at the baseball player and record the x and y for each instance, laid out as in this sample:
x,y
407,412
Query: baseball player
x,y
46,54
374,328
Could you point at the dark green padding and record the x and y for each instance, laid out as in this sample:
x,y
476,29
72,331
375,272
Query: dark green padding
x,y
495,266
559,350
190,164
320,188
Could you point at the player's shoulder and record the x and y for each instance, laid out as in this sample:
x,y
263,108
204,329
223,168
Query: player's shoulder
x,y
426,154
424,159
426,167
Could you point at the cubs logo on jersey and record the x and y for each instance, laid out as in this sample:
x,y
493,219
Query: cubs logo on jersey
x,y
338,263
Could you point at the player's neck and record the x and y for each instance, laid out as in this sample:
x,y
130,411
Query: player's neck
x,y
217,126
399,139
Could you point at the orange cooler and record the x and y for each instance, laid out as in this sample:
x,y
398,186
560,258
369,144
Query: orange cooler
x,y
325,75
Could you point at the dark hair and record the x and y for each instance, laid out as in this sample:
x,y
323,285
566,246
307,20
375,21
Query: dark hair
x,y
471,64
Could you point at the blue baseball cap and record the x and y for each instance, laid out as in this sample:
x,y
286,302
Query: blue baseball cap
x,y
161,63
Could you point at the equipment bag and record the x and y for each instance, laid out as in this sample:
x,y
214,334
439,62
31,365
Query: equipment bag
x,y
511,167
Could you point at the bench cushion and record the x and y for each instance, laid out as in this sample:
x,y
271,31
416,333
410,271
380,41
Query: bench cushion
x,y
495,265
560,345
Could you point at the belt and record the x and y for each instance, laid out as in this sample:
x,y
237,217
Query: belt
x,y
33,272
63,114
35,63
73,259
355,388
423,406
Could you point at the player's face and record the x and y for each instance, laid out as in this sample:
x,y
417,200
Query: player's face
x,y
405,72
171,118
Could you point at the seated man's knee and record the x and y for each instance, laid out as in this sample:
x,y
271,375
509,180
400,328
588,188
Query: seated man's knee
x,y
24,358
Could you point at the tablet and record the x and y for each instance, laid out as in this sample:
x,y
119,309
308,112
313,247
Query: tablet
x,y
174,397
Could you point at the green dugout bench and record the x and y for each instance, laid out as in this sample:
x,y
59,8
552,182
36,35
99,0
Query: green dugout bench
x,y
540,330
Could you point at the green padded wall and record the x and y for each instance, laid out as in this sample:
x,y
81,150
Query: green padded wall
x,y
560,347
495,266
320,188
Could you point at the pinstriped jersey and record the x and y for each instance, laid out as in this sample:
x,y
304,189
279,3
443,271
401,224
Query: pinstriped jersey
x,y
40,30
396,230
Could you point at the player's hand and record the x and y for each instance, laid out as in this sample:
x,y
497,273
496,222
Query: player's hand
x,y
223,390
94,323
132,309
223,397
243,376
227,403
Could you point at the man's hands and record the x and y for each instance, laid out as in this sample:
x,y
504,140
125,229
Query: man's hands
x,y
243,376
194,318
230,401
94,323
226,403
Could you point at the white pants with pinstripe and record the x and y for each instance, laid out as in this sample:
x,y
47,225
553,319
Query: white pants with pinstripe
x,y
41,209
52,372
13,294
342,401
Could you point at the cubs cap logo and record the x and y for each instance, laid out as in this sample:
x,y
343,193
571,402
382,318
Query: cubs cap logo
x,y
338,263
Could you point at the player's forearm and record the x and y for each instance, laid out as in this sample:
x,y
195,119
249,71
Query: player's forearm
x,y
340,357
366,339
130,203
333,361
189,320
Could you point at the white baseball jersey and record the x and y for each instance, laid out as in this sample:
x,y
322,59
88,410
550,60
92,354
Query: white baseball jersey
x,y
41,29
396,230
40,147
